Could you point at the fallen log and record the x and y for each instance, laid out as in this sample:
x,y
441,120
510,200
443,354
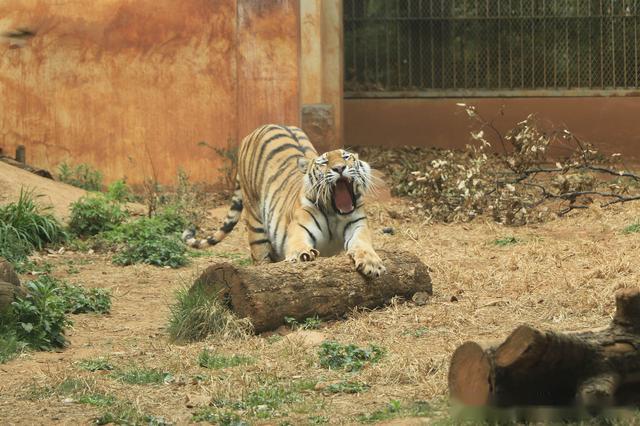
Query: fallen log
x,y
327,287
21,165
590,370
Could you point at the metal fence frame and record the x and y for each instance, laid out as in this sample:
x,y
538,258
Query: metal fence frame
x,y
518,48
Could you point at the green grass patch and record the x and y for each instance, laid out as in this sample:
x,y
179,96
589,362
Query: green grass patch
x,y
395,409
97,399
236,258
218,417
336,356
311,323
96,364
347,387
25,226
125,413
215,361
632,229
506,241
135,375
195,315
269,400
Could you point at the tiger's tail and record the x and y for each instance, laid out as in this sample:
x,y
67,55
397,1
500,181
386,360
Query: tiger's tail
x,y
233,216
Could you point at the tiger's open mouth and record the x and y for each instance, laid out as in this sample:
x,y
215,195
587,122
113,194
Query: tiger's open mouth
x,y
342,197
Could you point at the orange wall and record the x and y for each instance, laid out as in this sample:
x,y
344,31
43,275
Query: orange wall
x,y
611,123
131,86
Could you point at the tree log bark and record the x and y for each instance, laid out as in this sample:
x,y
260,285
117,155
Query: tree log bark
x,y
592,369
327,287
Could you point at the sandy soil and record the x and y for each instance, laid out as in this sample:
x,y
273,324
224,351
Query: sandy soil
x,y
561,275
51,193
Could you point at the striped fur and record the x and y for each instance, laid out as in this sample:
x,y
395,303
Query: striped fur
x,y
298,204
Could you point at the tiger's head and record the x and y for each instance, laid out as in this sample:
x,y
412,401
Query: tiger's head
x,y
336,178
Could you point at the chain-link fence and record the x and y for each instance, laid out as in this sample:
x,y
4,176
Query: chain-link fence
x,y
490,47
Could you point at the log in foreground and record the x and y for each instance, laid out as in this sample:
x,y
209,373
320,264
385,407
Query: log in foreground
x,y
327,287
591,370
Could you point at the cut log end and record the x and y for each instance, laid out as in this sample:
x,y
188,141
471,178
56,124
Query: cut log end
x,y
470,375
628,308
521,349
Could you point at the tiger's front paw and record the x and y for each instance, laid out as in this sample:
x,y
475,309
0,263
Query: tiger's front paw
x,y
303,255
367,262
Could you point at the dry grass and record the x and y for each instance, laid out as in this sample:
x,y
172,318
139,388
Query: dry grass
x,y
561,275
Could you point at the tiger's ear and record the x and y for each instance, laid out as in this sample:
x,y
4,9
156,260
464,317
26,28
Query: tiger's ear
x,y
303,164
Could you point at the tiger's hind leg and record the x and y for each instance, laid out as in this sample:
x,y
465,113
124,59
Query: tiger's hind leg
x,y
258,241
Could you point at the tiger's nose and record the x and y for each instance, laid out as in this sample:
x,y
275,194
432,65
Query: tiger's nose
x,y
338,169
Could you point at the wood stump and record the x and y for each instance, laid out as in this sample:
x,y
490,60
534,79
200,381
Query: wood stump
x,y
328,287
592,369
9,285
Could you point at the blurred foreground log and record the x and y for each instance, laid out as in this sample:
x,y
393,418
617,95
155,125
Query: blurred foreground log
x,y
328,287
589,370
9,285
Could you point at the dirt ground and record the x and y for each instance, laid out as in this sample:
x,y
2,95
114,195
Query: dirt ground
x,y
561,275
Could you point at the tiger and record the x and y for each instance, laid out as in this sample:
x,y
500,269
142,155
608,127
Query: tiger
x,y
298,204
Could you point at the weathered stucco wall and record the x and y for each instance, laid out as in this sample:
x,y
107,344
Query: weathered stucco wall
x,y
132,86
609,122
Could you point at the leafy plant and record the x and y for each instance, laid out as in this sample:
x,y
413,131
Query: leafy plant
x,y
120,192
83,176
25,226
311,323
38,319
209,359
40,316
195,315
336,356
97,399
93,214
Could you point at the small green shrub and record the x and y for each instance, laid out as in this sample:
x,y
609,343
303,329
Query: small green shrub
x,y
154,241
212,360
141,376
93,214
80,300
38,319
83,176
311,323
120,192
25,226
336,356
40,316
195,316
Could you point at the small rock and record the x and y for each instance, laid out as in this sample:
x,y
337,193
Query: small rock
x,y
421,298
388,230
68,401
